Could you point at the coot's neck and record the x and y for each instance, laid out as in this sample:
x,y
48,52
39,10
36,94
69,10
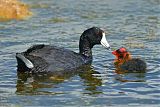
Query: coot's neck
x,y
85,48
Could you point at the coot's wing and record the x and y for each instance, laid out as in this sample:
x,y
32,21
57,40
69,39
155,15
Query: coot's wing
x,y
55,58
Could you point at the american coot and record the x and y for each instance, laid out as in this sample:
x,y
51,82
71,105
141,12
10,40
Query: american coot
x,y
46,58
125,63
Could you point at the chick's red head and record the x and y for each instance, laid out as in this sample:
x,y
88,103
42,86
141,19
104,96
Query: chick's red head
x,y
120,53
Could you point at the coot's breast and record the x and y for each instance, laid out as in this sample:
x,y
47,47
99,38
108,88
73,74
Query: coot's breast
x,y
52,58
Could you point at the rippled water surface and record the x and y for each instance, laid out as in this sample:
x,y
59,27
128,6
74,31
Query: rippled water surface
x,y
134,24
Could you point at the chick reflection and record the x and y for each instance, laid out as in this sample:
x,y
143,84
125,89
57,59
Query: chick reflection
x,y
39,83
131,77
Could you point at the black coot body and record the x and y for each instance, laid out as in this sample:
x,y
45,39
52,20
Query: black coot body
x,y
46,58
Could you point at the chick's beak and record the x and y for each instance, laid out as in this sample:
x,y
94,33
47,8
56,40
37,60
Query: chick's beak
x,y
114,53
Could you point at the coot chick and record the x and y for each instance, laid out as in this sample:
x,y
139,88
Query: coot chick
x,y
125,63
46,58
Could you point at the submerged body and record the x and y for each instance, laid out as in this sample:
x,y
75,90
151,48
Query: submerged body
x,y
46,58
125,63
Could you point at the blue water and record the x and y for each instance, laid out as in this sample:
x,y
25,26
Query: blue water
x,y
134,24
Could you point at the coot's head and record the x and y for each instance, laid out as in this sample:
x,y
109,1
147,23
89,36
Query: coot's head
x,y
95,36
121,53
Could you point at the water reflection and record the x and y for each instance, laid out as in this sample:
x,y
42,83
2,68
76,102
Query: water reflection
x,y
32,84
130,77
91,81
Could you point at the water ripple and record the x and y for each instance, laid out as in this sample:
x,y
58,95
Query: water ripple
x,y
132,24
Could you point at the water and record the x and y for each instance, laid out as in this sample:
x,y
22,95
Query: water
x,y
134,24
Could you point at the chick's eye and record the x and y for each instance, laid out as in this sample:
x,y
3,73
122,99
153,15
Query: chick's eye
x,y
118,51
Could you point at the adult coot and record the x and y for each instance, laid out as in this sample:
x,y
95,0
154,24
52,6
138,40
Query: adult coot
x,y
125,63
46,58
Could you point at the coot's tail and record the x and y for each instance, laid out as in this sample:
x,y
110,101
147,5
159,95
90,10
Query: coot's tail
x,y
24,64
